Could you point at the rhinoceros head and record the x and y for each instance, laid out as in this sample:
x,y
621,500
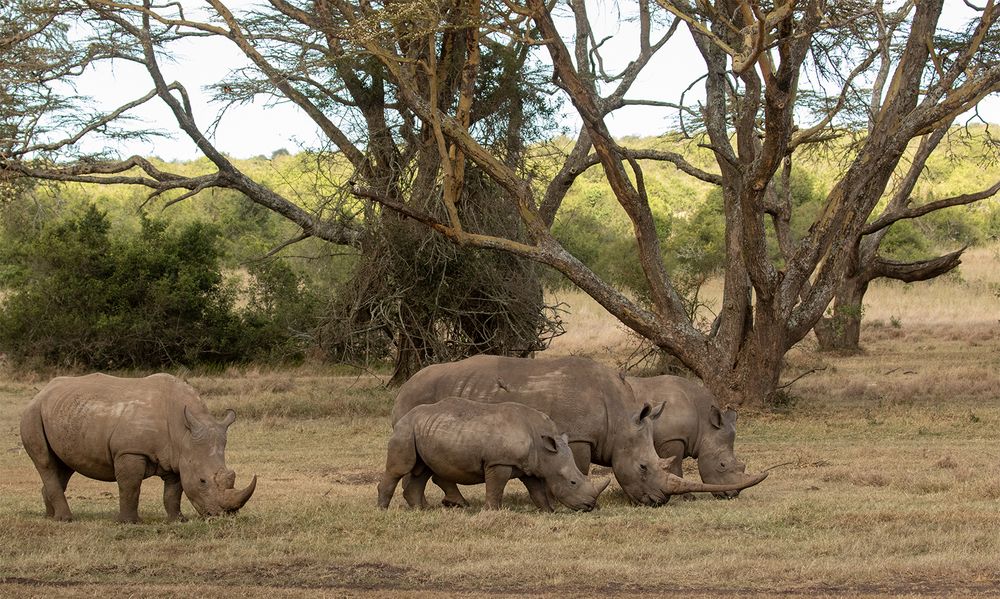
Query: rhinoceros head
x,y
204,477
717,461
640,472
646,478
563,478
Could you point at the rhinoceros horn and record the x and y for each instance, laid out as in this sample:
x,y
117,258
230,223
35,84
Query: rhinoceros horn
x,y
233,500
677,485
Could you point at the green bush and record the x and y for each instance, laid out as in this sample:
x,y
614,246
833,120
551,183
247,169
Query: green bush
x,y
281,311
79,296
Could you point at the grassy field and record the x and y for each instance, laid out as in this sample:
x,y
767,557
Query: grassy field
x,y
893,488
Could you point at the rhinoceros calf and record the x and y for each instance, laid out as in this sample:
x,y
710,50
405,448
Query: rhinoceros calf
x,y
694,427
126,430
467,442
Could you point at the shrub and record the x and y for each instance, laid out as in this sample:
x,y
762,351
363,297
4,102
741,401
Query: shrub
x,y
80,296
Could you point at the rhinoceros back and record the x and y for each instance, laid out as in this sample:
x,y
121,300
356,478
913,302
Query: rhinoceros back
x,y
582,397
457,435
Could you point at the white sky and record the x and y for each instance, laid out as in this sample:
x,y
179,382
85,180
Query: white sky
x,y
262,128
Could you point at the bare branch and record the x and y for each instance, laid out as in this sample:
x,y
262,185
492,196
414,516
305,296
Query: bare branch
x,y
959,200
921,270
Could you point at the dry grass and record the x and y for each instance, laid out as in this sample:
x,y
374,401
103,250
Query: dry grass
x,y
893,490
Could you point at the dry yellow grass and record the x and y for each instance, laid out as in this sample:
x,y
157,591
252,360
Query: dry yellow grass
x,y
893,490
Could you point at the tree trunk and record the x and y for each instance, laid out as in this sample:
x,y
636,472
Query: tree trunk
x,y
753,380
841,331
410,354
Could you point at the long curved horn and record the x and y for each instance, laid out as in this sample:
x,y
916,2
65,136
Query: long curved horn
x,y
677,485
233,500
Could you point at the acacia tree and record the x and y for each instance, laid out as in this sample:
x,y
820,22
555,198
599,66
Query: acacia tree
x,y
499,308
841,328
757,59
779,76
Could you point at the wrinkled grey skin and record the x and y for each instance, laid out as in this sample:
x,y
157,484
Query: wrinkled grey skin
x,y
125,430
467,443
587,400
693,427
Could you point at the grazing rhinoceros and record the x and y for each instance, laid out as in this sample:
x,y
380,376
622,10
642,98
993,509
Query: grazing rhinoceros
x,y
590,402
467,442
125,430
693,426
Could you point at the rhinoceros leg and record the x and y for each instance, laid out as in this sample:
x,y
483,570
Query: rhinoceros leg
x,y
129,471
54,482
53,472
496,480
400,460
674,449
537,492
452,496
414,485
172,497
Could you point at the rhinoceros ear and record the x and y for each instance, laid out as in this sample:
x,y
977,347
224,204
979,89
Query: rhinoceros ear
x,y
643,413
228,419
715,417
550,444
647,411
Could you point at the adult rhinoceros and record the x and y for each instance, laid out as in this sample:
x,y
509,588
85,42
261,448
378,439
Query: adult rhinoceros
x,y
125,430
693,426
590,402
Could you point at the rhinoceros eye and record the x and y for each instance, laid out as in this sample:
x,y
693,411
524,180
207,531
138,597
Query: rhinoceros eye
x,y
572,482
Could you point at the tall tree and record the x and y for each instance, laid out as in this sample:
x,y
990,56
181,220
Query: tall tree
x,y
758,60
296,57
840,329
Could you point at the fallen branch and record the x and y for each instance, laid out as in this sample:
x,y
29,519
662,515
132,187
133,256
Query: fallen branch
x,y
806,373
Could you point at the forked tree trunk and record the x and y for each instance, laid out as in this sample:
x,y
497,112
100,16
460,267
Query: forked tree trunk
x,y
841,330
752,381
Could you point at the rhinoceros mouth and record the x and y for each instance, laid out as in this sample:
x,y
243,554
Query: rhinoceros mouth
x,y
726,495
652,500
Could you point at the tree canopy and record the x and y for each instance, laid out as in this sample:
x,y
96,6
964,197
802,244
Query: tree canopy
x,y
431,102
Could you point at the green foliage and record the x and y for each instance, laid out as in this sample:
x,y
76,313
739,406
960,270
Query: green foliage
x,y
904,241
281,311
988,218
81,296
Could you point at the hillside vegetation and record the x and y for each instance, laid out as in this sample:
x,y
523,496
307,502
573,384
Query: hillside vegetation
x,y
590,224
